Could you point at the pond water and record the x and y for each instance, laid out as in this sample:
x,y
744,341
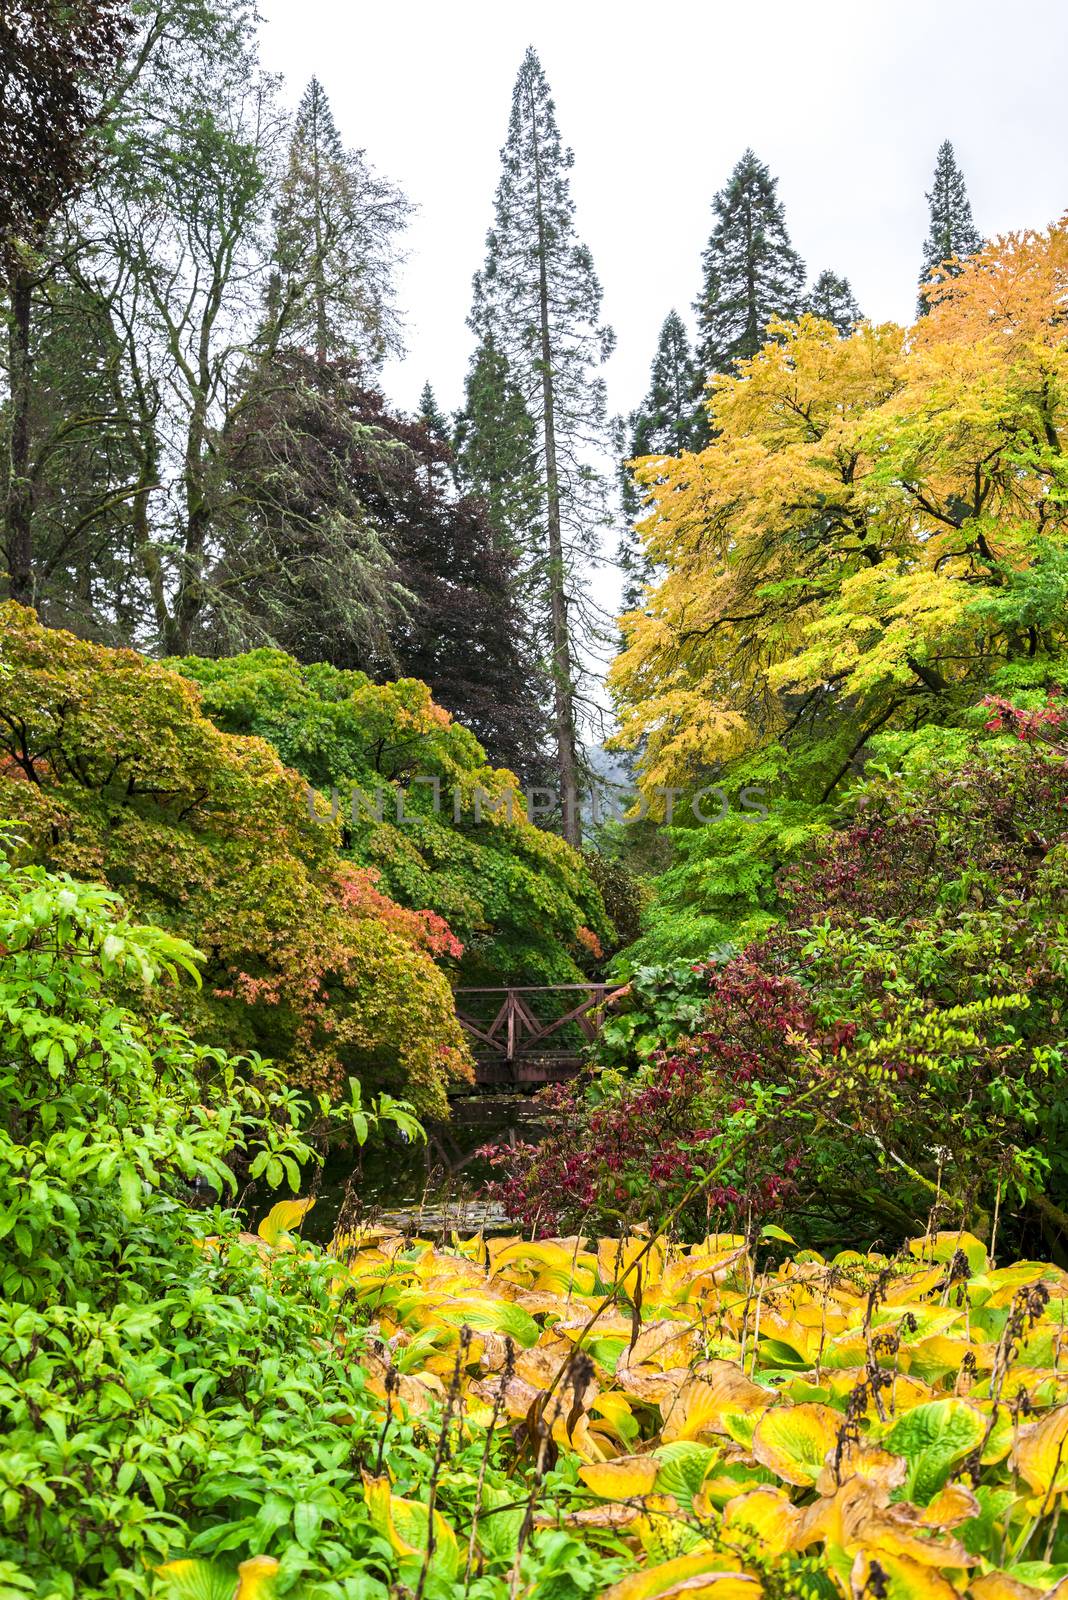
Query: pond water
x,y
428,1187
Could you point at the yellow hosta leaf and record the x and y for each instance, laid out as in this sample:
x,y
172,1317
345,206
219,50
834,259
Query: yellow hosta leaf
x,y
950,1506
906,1580
793,1441
255,1578
618,1261
695,1275
621,1479
701,1403
661,1532
551,1265
857,1517
911,1288
1041,1453
999,1586
617,1416
663,1345
930,1359
943,1247
282,1218
405,1524
859,1459
675,1577
766,1514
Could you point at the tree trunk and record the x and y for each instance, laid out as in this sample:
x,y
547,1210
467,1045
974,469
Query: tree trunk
x,y
563,679
18,509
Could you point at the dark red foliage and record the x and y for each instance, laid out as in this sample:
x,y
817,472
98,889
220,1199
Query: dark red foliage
x,y
317,442
895,861
55,60
652,1141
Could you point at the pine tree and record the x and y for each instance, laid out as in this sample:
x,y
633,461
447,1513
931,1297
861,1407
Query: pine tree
x,y
430,414
832,299
953,234
336,223
497,456
540,301
437,433
751,271
669,420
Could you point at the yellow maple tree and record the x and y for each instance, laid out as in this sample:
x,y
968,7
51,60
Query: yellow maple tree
x,y
874,529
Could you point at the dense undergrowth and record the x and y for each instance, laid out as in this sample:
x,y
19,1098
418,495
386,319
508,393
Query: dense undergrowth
x,y
194,1411
891,1050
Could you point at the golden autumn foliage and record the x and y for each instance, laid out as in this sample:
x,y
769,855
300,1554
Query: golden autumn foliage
x,y
895,1425
875,530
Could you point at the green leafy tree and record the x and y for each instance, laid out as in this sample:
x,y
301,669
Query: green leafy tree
x,y
112,772
952,234
539,300
335,253
445,831
752,273
832,300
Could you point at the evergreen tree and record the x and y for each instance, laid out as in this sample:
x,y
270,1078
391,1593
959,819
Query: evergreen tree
x,y
354,548
431,416
437,433
540,301
497,454
953,234
751,271
831,298
336,222
669,420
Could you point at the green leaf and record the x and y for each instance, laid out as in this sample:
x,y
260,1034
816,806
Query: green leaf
x,y
934,1438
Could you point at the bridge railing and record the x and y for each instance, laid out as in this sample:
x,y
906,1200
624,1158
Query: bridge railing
x,y
507,1024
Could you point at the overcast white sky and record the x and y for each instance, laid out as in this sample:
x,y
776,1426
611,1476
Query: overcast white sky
x,y
846,102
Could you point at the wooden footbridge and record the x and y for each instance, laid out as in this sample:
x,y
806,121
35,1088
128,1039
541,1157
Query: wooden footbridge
x,y
531,1035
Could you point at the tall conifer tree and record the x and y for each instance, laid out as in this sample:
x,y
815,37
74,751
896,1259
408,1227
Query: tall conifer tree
x,y
497,451
832,299
539,299
751,271
336,223
670,419
953,234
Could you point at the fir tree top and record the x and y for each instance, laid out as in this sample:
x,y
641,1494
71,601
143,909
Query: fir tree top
x,y
831,298
335,227
431,414
953,234
532,249
671,418
751,271
497,449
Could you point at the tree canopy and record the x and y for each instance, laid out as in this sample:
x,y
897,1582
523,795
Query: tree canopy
x,y
111,771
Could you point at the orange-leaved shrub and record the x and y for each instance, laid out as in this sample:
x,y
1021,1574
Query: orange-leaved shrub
x,y
110,771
